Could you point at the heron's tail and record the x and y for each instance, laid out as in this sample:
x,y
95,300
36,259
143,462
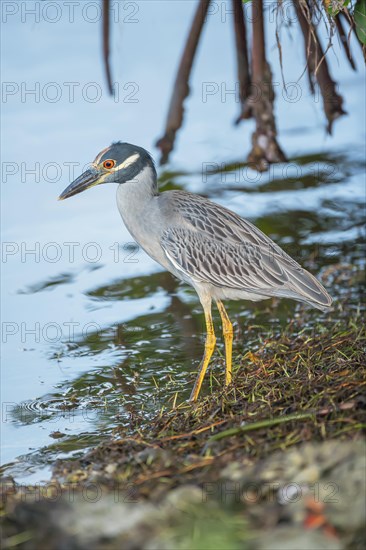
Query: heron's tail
x,y
306,288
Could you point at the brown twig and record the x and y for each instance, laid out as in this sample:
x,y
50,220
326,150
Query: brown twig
x,y
242,60
181,87
106,36
278,42
172,472
318,67
344,40
192,433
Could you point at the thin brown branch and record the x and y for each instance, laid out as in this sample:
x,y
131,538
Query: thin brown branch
x,y
346,14
317,65
242,60
344,41
106,37
278,42
181,86
173,472
192,433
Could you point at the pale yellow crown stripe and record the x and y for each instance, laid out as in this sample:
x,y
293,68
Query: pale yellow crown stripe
x,y
96,161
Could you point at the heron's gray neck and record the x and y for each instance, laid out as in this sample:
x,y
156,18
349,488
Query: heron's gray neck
x,y
134,199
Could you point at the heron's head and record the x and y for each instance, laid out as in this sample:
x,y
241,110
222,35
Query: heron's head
x,y
118,163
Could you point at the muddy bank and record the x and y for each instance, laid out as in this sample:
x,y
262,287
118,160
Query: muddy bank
x,y
276,461
308,497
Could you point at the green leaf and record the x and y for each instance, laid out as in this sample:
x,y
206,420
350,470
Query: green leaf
x,y
335,6
360,20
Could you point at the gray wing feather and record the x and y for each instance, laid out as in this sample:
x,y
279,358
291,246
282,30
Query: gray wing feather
x,y
218,222
214,245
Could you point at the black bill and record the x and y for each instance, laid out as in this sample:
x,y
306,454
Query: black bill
x,y
89,178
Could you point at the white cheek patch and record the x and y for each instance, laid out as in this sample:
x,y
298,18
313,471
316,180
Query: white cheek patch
x,y
130,160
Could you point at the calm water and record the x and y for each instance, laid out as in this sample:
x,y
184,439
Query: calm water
x,y
95,335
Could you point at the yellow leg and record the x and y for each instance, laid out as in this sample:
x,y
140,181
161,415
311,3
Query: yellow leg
x,y
227,329
209,348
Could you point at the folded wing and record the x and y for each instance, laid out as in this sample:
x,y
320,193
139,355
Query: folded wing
x,y
218,247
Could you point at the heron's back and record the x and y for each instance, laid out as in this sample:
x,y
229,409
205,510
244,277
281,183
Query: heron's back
x,y
212,245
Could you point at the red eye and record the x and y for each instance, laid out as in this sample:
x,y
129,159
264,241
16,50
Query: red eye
x,y
108,164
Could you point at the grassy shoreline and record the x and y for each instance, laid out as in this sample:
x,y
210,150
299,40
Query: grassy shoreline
x,y
295,414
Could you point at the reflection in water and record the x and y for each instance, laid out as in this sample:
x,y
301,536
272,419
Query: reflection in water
x,y
130,369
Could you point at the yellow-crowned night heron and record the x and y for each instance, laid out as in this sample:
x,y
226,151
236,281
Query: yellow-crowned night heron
x,y
220,254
